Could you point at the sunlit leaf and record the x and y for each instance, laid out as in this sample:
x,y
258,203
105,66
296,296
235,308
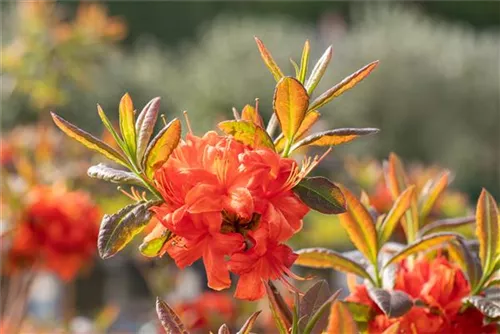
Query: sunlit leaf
x,y
224,329
327,258
487,230
310,303
341,320
153,244
247,326
488,306
281,313
424,244
359,225
127,126
431,192
268,60
290,104
248,133
346,84
118,229
393,303
318,70
446,225
334,137
295,67
304,62
251,114
107,123
103,172
162,145
309,120
392,329
88,140
398,209
321,194
145,124
467,260
359,312
169,320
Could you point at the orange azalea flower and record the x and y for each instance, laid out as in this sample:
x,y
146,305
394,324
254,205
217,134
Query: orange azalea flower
x,y
58,232
232,206
441,285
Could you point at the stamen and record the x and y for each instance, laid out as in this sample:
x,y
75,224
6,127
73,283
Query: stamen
x,y
257,105
125,193
187,121
236,114
164,119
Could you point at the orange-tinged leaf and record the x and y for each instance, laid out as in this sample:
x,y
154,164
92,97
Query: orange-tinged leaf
x,y
88,140
334,137
346,84
247,326
446,225
290,104
248,133
169,320
268,60
304,62
327,258
360,227
162,145
397,211
281,312
460,253
341,320
487,230
309,120
127,123
392,329
318,70
424,244
251,114
431,192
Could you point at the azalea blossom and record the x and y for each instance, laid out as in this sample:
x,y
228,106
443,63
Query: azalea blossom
x,y
233,206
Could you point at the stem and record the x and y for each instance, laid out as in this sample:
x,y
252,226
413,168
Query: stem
x,y
288,146
378,279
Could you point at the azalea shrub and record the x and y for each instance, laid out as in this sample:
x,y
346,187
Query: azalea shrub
x,y
234,197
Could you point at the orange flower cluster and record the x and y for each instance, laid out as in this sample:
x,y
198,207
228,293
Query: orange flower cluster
x,y
58,232
441,286
233,206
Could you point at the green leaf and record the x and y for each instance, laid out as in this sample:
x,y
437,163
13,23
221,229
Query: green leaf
x,y
431,192
341,320
487,230
397,211
279,309
359,225
360,312
304,62
346,84
88,140
118,230
490,307
393,303
318,70
446,225
169,320
290,104
248,133
310,303
153,244
327,258
334,137
145,124
103,172
162,145
321,194
424,244
268,60
311,324
469,263
127,126
295,67
110,127
247,326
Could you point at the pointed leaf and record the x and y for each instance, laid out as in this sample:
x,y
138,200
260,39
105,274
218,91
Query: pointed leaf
x,y
169,320
346,84
309,120
281,313
334,137
360,227
446,225
290,104
487,230
248,133
251,114
224,329
110,127
326,258
392,329
393,303
162,145
118,230
310,303
103,172
490,307
295,67
145,125
431,192
359,312
341,320
247,326
424,244
398,209
321,194
127,126
304,62
153,244
318,70
311,324
88,140
268,60
467,260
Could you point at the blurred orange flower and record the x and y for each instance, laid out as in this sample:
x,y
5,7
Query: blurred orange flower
x,y
58,232
440,285
227,201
